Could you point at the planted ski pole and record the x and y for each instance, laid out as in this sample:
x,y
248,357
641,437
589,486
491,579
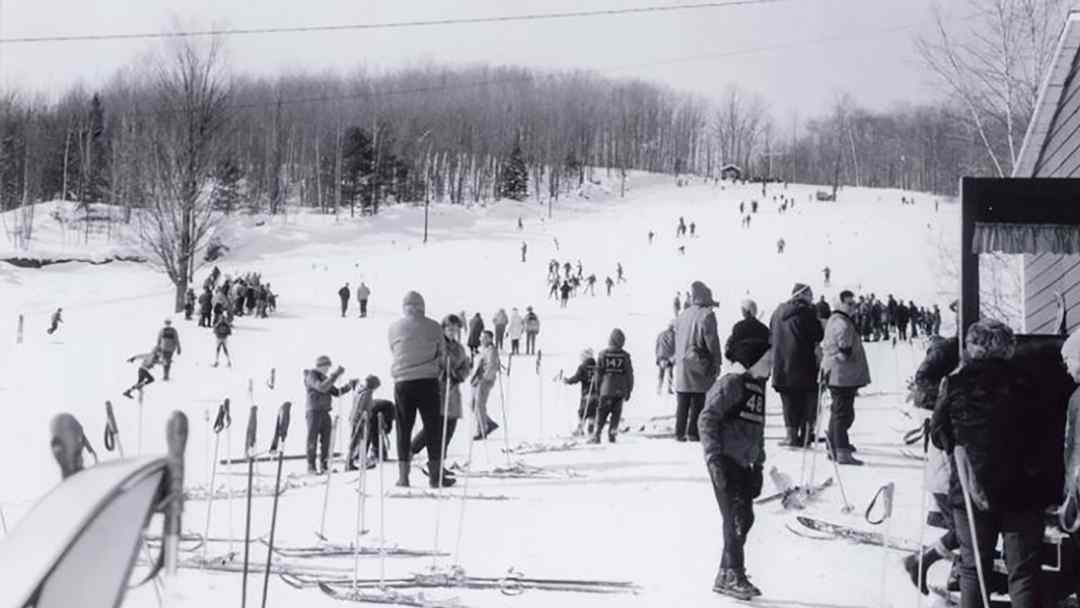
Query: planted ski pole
x,y
923,512
963,469
847,508
329,474
361,493
436,460
222,421
281,430
382,511
225,417
506,423
540,385
249,451
112,431
885,494
176,437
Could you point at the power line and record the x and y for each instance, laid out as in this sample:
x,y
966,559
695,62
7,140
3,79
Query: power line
x,y
390,25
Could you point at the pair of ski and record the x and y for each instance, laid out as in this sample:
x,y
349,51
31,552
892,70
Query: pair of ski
x,y
527,447
817,529
517,470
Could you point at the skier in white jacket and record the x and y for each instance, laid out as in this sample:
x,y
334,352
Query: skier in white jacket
x,y
516,329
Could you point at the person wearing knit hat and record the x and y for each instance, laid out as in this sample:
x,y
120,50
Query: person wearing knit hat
x,y
747,327
665,358
732,426
615,377
418,350
319,384
459,364
795,334
589,396
697,359
993,420
845,370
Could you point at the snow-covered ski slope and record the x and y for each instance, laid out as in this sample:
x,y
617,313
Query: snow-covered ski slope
x,y
641,510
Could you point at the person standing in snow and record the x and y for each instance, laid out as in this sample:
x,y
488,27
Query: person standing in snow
x,y
564,293
652,235
901,316
828,275
343,294
795,336
592,284
205,307
823,309
619,273
693,229
697,359
362,295
418,349
610,284
476,327
845,370
222,331
680,230
524,250
319,386
589,393
189,304
521,224
459,365
780,244
615,376
532,329
55,321
515,330
500,321
732,426
147,361
665,358
361,423
168,342
483,380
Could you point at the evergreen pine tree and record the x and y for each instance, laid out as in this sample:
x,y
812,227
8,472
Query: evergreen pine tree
x,y
357,164
515,175
226,193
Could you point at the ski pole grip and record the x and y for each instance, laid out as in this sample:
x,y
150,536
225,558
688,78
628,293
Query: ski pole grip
x,y
249,443
224,417
111,430
67,441
281,429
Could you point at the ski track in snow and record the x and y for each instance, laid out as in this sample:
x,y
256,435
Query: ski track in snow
x,y
641,511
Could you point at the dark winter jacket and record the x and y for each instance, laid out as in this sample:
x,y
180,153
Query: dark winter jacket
x,y
476,327
744,327
222,330
796,333
665,347
169,340
697,345
320,389
205,302
344,294
532,323
823,310
942,357
614,371
992,409
903,315
584,377
732,424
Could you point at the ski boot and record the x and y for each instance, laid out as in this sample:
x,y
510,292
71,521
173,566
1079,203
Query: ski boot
x,y
593,439
911,565
721,581
741,587
845,457
611,437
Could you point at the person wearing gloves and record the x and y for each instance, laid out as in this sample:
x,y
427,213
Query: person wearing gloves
x,y
615,376
516,329
483,380
361,422
319,385
584,376
697,359
665,358
796,333
449,385
845,371
732,429
418,350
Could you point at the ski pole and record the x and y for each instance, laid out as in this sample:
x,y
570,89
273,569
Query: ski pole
x,y
839,480
506,425
361,499
540,385
329,474
228,478
280,432
382,512
922,524
249,449
461,513
213,472
437,460
962,464
112,432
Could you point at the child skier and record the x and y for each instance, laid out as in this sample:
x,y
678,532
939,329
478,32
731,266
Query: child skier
x,y
615,376
56,321
222,331
483,380
147,361
319,384
587,406
362,422
665,355
732,428
168,342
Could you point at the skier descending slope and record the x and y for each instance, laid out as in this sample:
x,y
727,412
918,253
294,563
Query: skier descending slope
x,y
697,359
733,438
796,333
55,321
319,385
418,350
147,361
222,331
615,375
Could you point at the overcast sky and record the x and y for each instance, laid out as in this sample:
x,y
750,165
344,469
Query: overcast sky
x,y
698,50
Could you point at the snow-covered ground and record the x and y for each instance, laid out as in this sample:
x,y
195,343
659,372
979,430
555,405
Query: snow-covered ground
x,y
641,510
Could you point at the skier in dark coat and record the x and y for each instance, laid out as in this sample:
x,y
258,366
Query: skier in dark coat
x,y
476,327
189,304
55,321
697,359
590,396
319,385
987,420
168,342
615,377
564,294
205,308
733,438
901,316
344,294
609,283
796,334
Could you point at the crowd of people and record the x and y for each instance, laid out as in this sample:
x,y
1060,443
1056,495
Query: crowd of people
x,y
569,281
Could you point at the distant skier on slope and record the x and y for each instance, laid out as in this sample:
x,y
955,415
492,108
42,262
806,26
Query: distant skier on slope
x,y
363,293
609,283
693,229
343,294
147,361
168,342
732,426
828,275
564,292
619,272
780,245
652,235
680,230
55,321
524,250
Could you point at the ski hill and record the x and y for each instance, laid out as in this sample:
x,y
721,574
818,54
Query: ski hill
x,y
641,510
